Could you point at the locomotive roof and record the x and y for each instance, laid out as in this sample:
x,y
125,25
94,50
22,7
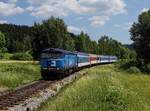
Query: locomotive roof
x,y
58,50
81,53
108,56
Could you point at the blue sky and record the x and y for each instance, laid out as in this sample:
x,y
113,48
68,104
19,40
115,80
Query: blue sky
x,y
96,17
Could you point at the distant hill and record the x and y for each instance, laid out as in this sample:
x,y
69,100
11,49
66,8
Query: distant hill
x,y
129,46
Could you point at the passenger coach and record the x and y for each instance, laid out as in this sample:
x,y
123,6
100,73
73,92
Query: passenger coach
x,y
83,59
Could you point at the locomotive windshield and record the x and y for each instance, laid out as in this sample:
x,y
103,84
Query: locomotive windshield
x,y
52,55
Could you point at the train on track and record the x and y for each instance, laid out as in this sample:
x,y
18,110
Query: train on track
x,y
58,62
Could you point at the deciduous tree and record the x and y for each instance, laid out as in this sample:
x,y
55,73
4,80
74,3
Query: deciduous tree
x,y
140,34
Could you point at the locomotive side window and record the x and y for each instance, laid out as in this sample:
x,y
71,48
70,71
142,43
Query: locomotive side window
x,y
52,55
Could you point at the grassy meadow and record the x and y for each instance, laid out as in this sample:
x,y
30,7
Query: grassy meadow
x,y
103,88
14,74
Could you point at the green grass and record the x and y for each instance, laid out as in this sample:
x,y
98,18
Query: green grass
x,y
104,88
14,74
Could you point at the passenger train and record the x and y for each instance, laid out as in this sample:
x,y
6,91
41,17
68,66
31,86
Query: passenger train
x,y
58,62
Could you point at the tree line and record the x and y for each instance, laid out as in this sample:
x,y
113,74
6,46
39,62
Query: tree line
x,y
53,33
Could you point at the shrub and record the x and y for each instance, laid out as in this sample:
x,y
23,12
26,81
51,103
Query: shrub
x,y
22,56
1,55
127,64
121,62
133,69
5,56
148,67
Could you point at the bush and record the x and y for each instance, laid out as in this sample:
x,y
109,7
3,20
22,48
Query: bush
x,y
5,56
133,69
148,67
129,63
22,56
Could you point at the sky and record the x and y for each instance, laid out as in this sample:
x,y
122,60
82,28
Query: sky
x,y
95,17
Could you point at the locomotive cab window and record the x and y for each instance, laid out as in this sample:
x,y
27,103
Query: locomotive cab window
x,y
52,55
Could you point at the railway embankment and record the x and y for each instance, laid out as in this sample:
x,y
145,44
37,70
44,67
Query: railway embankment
x,y
103,88
31,96
17,73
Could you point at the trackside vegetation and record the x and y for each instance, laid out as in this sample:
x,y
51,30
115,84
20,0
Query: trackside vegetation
x,y
15,74
103,88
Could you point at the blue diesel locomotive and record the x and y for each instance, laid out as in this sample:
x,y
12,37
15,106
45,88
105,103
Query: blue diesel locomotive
x,y
58,62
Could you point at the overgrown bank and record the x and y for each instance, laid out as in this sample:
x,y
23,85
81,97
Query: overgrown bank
x,y
104,88
15,74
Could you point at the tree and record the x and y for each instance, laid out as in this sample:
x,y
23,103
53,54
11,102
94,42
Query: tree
x,y
69,43
140,34
94,49
103,45
51,33
2,41
83,42
108,46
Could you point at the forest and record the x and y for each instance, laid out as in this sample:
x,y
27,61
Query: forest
x,y
53,33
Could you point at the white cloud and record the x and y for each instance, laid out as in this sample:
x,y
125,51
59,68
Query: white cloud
x,y
45,11
98,11
144,10
74,5
8,9
105,9
106,6
48,8
98,20
3,21
74,29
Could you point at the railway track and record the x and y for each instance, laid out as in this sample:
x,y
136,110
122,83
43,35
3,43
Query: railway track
x,y
11,98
